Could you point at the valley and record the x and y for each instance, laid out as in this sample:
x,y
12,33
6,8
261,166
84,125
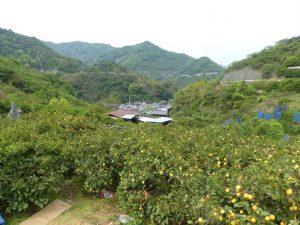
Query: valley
x,y
220,160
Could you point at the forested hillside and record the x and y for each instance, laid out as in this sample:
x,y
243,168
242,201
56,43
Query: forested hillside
x,y
34,53
201,66
149,59
113,83
274,60
89,53
145,58
30,90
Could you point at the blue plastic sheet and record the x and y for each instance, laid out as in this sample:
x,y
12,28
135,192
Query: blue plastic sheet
x,y
297,117
2,221
276,114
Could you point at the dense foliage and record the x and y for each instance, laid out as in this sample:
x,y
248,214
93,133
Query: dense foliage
x,y
163,175
181,81
34,53
202,65
274,60
30,90
113,83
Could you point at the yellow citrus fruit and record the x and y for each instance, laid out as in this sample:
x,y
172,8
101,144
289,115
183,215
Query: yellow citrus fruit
x,y
250,197
282,223
267,218
272,217
222,211
253,220
245,195
200,220
227,190
238,187
254,207
289,191
233,200
238,194
294,208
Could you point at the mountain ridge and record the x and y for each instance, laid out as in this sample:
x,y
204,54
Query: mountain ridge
x,y
81,50
144,57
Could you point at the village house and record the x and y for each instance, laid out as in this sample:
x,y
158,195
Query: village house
x,y
152,113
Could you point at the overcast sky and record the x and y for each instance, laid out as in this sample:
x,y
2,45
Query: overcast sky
x,y
224,30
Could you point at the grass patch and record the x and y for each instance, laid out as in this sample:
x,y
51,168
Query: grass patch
x,y
89,211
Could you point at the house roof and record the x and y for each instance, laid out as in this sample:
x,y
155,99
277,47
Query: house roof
x,y
128,117
155,120
146,119
122,112
163,119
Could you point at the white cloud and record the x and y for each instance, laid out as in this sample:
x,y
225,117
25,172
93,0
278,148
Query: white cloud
x,y
223,30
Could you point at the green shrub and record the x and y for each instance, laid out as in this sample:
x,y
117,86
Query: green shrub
x,y
271,128
31,166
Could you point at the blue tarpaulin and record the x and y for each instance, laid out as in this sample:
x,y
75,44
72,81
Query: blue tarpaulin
x,y
2,221
297,117
265,116
276,114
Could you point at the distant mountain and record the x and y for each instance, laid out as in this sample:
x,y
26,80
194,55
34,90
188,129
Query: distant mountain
x,y
110,82
34,53
89,53
149,59
273,60
145,58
